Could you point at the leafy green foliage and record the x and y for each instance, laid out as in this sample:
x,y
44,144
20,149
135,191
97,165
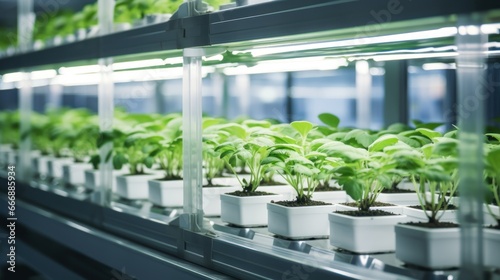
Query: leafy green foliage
x,y
329,119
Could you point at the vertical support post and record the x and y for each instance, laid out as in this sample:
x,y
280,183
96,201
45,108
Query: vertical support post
x,y
225,96
218,87
25,24
159,98
450,100
288,96
26,106
363,94
55,97
25,20
192,141
242,87
105,105
471,96
396,92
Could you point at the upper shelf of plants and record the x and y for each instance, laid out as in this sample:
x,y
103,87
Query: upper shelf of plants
x,y
340,27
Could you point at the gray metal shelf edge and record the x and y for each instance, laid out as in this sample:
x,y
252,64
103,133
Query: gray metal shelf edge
x,y
266,20
225,253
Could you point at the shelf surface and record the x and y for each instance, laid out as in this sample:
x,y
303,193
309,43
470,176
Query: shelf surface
x,y
152,226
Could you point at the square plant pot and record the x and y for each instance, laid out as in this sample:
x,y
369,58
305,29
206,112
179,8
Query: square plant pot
x,y
399,198
55,166
166,193
225,181
40,166
299,222
436,248
211,199
248,211
363,234
491,249
93,178
330,196
418,215
74,173
134,186
287,192
488,219
406,185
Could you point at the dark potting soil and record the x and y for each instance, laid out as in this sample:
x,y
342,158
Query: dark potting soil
x,y
369,213
419,207
242,193
375,204
271,183
215,186
127,175
294,203
396,190
170,179
497,227
326,189
433,225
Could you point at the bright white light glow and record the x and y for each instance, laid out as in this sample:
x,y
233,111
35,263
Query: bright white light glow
x,y
43,74
174,60
439,66
126,76
288,65
493,28
377,71
362,67
389,57
138,64
12,77
147,75
490,28
411,36
217,57
77,80
79,70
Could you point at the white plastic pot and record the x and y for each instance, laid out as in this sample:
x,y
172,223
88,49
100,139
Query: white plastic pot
x,y
39,164
406,185
211,199
248,211
299,222
166,193
55,166
430,248
330,197
363,234
93,178
399,198
418,215
134,186
74,173
488,219
491,249
287,192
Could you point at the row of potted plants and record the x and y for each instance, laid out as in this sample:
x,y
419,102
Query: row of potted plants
x,y
304,156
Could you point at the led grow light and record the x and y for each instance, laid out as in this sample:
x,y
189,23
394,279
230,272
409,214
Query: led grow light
x,y
288,65
138,64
